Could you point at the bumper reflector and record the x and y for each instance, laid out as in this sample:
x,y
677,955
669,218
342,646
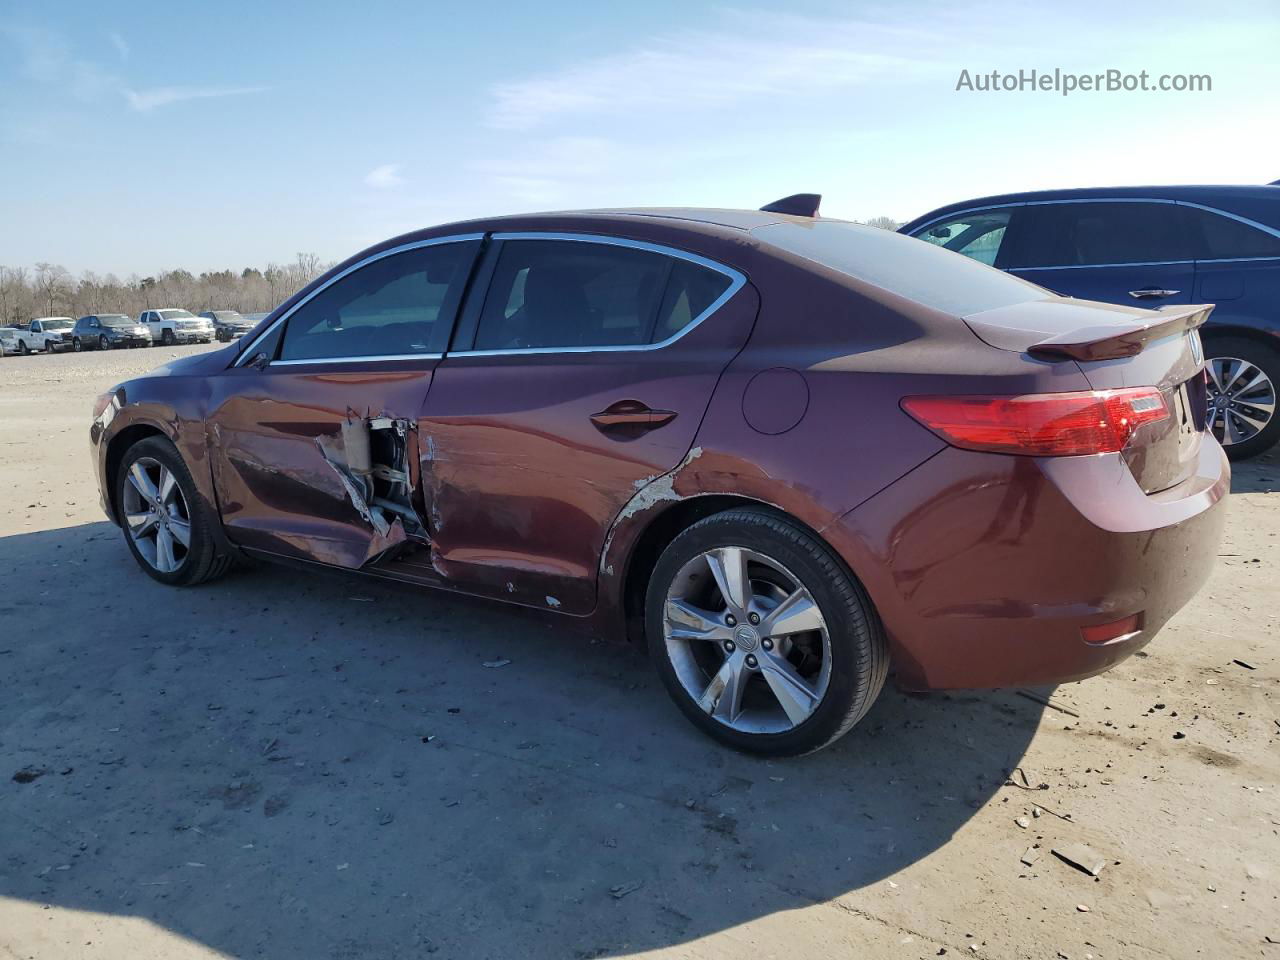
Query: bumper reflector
x,y
1117,631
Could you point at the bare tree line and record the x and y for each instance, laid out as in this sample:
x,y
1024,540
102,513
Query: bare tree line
x,y
50,290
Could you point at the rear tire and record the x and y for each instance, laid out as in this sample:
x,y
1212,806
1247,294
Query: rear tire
x,y
781,562
23,349
166,338
76,346
1265,360
199,560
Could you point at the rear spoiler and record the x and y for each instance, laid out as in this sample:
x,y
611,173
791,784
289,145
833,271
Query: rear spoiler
x,y
1115,340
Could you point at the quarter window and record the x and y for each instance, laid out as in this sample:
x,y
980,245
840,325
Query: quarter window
x,y
400,305
570,293
1226,239
1101,234
977,235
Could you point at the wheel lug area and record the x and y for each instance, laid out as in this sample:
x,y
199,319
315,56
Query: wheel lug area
x,y
766,644
751,661
730,646
754,618
730,619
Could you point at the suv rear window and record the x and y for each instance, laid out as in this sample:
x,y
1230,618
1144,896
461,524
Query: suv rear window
x,y
911,268
1226,239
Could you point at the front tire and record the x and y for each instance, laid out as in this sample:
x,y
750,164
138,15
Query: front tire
x,y
168,526
104,343
1244,378
76,346
761,635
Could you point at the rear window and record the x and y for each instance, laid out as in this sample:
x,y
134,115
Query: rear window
x,y
1226,239
910,268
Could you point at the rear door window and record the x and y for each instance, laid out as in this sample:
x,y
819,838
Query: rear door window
x,y
1101,233
548,294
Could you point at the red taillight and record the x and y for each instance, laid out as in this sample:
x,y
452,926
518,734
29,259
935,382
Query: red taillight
x,y
1041,424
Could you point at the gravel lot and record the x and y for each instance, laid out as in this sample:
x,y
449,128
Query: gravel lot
x,y
297,765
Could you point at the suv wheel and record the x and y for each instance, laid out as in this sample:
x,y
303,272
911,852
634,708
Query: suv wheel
x,y
761,635
169,528
1243,380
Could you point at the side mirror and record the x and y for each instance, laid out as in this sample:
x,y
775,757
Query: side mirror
x,y
261,361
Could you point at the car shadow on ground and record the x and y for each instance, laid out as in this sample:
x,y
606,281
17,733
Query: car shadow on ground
x,y
1259,475
298,765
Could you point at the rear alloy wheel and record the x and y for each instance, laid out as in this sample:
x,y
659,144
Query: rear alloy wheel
x,y
23,349
1243,377
166,337
167,525
761,636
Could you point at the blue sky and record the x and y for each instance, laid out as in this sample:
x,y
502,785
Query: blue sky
x,y
136,137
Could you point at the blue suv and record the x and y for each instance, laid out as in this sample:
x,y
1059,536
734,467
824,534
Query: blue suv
x,y
1153,246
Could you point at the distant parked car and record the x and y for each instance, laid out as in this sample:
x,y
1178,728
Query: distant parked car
x,y
102,331
8,340
177,326
1152,247
228,325
46,333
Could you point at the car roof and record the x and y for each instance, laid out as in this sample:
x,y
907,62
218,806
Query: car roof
x,y
42,319
732,219
1232,197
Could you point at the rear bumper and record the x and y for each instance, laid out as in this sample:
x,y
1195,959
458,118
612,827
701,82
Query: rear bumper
x,y
986,568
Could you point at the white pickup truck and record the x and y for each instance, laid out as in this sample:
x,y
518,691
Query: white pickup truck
x,y
45,333
176,326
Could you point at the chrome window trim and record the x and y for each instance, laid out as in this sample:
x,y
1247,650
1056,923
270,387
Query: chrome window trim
x,y
1097,266
1081,266
246,354
378,358
737,281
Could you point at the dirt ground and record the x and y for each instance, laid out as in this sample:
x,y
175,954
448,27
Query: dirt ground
x,y
305,766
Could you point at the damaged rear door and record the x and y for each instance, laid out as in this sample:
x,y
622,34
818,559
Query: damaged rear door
x,y
313,435
579,375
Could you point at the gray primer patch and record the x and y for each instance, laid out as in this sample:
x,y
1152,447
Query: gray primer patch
x,y
552,602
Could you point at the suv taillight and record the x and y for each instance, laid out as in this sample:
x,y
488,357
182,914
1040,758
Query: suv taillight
x,y
1041,424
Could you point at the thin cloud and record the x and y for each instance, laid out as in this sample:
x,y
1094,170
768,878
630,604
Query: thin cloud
x,y
755,56
119,42
384,177
145,100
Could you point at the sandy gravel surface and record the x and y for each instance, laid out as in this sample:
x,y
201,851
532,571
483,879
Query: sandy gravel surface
x,y
297,765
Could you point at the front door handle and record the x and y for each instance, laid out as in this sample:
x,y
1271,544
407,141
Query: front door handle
x,y
631,416
1150,293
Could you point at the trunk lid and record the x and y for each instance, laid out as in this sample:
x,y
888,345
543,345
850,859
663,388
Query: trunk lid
x,y
1118,346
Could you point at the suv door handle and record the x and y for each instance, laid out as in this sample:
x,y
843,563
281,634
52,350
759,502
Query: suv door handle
x,y
1148,293
631,414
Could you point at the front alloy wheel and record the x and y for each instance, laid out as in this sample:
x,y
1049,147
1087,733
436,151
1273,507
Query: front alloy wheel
x,y
1242,379
103,342
156,515
168,526
761,635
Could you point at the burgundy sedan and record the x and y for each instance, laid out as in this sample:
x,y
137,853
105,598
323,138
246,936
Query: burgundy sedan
x,y
786,452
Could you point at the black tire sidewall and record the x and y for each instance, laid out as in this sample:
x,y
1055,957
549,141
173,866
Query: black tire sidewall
x,y
1267,360
850,622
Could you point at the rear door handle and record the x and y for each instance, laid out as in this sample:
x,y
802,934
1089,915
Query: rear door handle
x,y
631,415
1149,293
